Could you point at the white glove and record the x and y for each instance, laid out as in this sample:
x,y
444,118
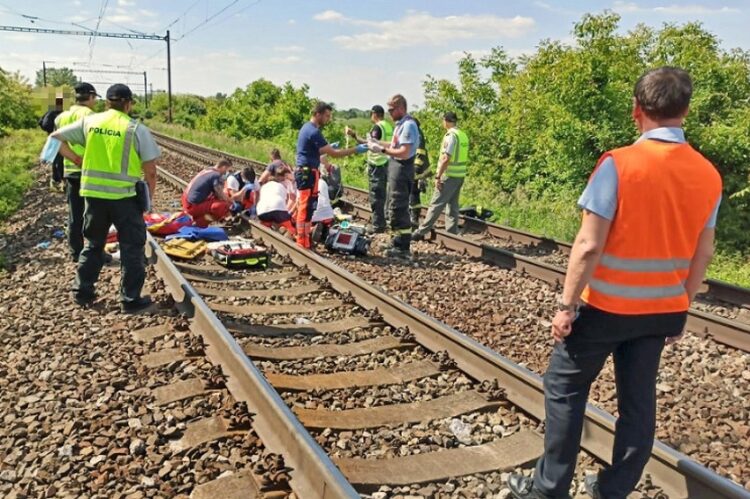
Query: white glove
x,y
373,146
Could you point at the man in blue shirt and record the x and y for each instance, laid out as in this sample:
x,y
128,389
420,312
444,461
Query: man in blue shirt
x,y
401,151
310,146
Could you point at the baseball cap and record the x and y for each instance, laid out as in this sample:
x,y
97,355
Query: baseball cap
x,y
84,89
119,91
378,109
451,117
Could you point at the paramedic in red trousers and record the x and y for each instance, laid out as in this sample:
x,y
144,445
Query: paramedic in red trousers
x,y
310,145
204,198
646,238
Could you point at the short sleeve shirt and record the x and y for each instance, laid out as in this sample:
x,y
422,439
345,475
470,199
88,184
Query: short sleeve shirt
x,y
449,144
375,133
203,185
145,145
274,166
406,132
600,195
309,142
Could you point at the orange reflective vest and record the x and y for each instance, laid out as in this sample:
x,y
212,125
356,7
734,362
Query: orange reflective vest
x,y
665,196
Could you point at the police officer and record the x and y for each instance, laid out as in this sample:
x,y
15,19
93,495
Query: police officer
x,y
401,151
85,99
645,241
377,167
310,146
118,151
421,174
449,178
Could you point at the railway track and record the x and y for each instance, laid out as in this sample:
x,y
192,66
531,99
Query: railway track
x,y
317,334
727,330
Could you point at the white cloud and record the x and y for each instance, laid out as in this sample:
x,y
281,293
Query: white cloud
x,y
329,15
125,3
292,22
674,9
422,28
289,48
290,59
20,37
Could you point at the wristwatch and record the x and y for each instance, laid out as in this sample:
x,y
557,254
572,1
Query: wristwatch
x,y
562,307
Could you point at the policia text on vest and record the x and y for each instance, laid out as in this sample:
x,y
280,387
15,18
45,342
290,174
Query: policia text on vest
x,y
119,151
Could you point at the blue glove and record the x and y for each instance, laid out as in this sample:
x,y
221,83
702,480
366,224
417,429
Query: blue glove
x,y
361,148
335,145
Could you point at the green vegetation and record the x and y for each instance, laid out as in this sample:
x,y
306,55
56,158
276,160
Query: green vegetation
x,y
18,151
16,110
537,123
57,77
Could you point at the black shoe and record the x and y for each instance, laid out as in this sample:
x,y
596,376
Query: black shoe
x,y
591,484
139,305
397,253
375,230
83,300
416,236
522,487
317,233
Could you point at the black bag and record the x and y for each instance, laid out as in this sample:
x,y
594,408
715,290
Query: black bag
x,y
47,122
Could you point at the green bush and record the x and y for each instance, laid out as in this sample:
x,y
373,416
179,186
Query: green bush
x,y
18,152
16,110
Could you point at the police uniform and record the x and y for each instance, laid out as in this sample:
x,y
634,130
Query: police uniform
x,y
115,147
72,172
456,144
377,173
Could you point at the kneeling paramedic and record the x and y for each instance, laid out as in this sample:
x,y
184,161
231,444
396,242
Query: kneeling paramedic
x,y
118,151
310,145
241,189
204,198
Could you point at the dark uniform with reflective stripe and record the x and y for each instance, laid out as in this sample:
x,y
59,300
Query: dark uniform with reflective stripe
x,y
421,173
400,183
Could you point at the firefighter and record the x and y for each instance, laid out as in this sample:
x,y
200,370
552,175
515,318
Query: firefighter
x,y
401,151
421,174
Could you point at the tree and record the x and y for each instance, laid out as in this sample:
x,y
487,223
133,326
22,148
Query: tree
x,y
542,121
16,109
56,77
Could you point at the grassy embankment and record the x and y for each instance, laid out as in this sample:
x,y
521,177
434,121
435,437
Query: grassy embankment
x,y
554,215
19,151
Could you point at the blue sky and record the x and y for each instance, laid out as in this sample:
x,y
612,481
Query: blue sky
x,y
352,53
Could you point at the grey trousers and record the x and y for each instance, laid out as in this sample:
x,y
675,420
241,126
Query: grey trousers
x,y
635,343
447,196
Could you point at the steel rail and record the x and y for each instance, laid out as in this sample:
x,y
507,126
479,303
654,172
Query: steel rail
x,y
313,473
675,472
720,290
726,331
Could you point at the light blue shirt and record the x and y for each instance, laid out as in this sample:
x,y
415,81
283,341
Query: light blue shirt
x,y
406,132
600,195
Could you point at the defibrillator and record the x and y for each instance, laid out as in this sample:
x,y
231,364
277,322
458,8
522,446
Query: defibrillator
x,y
348,238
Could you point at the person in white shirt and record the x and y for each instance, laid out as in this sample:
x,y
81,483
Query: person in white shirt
x,y
275,205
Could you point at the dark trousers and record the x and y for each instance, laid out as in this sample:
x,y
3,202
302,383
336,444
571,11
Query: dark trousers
x,y
76,206
636,343
400,181
415,203
126,216
378,177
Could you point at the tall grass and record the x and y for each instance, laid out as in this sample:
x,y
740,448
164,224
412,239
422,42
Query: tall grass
x,y
18,152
